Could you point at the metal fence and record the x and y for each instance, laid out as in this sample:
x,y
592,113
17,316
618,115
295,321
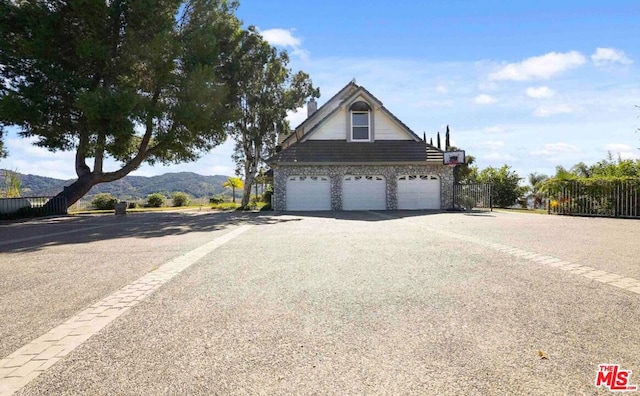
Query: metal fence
x,y
472,196
602,198
23,207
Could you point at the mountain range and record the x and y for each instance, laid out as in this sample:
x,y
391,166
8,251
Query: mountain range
x,y
129,187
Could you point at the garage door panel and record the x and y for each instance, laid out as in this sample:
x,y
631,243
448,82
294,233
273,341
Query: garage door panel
x,y
364,192
418,192
308,193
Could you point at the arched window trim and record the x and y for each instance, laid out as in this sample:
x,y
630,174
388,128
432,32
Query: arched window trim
x,y
357,123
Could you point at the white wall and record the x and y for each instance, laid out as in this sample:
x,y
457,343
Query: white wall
x,y
335,128
387,129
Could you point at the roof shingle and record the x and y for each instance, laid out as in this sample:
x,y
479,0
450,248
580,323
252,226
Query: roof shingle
x,y
341,151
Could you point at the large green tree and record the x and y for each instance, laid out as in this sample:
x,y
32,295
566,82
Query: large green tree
x,y
505,189
134,81
266,90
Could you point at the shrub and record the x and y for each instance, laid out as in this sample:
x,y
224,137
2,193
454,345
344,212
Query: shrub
x,y
266,197
132,205
156,200
180,199
253,201
104,201
218,199
226,206
266,207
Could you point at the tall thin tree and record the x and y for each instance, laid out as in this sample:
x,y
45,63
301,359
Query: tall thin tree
x,y
446,140
267,89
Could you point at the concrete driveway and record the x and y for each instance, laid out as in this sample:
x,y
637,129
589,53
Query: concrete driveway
x,y
318,303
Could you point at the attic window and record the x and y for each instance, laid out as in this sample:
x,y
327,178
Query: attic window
x,y
360,121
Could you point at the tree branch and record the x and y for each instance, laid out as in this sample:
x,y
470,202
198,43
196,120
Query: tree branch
x,y
143,151
82,169
99,155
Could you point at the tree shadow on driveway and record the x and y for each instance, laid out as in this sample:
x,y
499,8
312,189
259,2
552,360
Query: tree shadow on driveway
x,y
68,230
37,234
383,215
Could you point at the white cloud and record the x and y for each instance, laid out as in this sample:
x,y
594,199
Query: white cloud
x,y
443,89
546,111
494,130
623,150
540,92
285,38
491,144
58,168
433,103
604,56
498,157
618,147
539,67
485,85
484,99
552,149
281,37
25,147
216,162
297,117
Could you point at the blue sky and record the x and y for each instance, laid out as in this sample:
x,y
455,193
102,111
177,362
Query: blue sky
x,y
528,84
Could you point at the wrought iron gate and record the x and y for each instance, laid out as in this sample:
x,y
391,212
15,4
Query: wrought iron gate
x,y
472,196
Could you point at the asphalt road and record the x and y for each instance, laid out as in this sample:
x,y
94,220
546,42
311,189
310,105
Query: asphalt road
x,y
329,303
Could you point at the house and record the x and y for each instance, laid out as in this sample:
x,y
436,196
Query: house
x,y
353,154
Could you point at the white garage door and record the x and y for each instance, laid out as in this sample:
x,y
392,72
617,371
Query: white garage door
x,y
418,192
308,193
364,193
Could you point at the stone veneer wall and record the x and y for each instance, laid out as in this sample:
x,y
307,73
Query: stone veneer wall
x,y
337,173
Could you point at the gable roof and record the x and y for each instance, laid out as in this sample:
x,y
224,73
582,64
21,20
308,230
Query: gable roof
x,y
340,94
347,94
328,152
297,133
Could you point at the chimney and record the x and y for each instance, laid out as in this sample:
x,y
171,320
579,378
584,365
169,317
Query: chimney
x,y
312,107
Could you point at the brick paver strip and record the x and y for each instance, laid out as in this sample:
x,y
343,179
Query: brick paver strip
x,y
615,280
629,284
25,364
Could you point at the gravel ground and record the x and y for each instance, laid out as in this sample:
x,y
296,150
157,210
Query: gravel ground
x,y
609,244
51,269
354,303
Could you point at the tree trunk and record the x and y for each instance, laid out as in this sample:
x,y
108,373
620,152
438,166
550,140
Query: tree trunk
x,y
87,179
71,194
250,172
246,191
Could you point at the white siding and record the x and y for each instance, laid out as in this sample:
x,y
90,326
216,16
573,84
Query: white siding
x,y
322,112
335,128
386,129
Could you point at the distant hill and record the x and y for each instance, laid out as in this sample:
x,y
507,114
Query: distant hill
x,y
131,187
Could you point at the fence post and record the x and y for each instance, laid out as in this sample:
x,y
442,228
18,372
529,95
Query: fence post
x,y
490,187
